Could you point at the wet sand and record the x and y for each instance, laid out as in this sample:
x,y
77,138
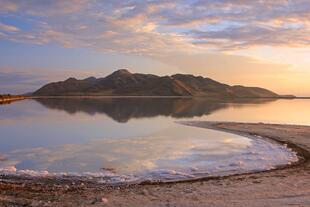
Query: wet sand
x,y
288,186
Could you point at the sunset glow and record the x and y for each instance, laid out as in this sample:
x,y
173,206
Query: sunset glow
x,y
249,42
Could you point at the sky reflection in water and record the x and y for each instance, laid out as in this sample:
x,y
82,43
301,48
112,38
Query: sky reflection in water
x,y
138,135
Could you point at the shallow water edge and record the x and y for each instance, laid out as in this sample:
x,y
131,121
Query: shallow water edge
x,y
303,157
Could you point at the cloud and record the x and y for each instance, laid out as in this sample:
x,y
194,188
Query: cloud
x,y
249,36
7,6
15,81
185,35
43,8
159,27
19,82
135,154
8,28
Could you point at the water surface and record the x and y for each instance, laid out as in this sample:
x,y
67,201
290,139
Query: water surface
x,y
138,139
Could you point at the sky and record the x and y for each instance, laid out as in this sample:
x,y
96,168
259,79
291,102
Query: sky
x,y
239,42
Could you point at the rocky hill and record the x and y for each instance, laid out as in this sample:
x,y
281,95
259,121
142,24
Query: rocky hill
x,y
124,83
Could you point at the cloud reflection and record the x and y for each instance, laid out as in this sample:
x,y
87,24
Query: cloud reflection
x,y
173,148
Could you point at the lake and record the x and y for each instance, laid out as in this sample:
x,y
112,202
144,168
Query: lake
x,y
138,139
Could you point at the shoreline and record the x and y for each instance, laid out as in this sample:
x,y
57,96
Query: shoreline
x,y
172,190
303,157
302,153
137,96
12,99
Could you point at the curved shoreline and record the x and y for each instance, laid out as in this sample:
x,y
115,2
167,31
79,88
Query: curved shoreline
x,y
303,156
296,138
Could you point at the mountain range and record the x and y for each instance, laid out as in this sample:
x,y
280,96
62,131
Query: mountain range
x,y
124,83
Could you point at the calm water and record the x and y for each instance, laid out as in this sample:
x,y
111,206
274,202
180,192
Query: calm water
x,y
135,139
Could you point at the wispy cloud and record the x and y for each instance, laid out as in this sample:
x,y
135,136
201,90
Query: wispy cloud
x,y
192,36
249,36
156,27
8,28
19,81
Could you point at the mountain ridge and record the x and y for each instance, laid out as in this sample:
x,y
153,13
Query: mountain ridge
x,y
124,83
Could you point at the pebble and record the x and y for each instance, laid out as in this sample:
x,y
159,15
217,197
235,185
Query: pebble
x,y
145,192
104,200
188,191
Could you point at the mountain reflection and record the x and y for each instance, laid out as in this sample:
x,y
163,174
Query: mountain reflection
x,y
124,109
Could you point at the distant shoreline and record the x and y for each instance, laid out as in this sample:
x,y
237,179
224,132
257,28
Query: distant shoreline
x,y
210,97
12,98
23,97
302,98
91,96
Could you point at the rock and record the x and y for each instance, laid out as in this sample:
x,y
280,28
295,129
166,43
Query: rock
x,y
256,181
145,192
104,200
188,191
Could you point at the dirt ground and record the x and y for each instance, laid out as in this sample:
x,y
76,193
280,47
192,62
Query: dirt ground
x,y
289,186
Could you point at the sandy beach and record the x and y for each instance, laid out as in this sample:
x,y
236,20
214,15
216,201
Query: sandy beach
x,y
288,186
